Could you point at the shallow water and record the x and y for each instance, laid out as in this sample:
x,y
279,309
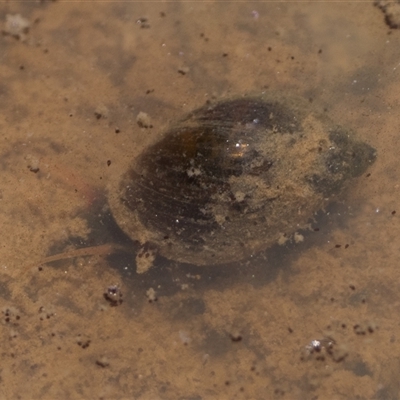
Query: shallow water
x,y
70,91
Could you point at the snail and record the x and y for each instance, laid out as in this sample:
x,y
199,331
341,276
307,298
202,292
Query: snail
x,y
233,178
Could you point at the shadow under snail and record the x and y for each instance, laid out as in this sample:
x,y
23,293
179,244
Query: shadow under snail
x,y
233,178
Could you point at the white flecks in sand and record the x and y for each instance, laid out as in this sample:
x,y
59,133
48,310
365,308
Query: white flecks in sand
x,y
16,26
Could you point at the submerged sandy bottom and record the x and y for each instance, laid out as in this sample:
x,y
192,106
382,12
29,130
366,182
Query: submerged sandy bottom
x,y
70,92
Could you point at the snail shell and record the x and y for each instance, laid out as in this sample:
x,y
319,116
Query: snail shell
x,y
231,178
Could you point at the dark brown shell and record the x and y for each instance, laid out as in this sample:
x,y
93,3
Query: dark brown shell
x,y
232,178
